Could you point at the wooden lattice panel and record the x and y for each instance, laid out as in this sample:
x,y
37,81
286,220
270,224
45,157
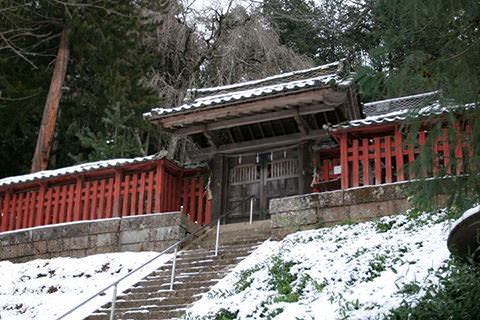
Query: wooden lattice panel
x,y
244,174
282,169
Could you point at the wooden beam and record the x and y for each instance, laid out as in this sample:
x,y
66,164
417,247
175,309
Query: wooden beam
x,y
210,139
302,124
216,112
261,144
269,116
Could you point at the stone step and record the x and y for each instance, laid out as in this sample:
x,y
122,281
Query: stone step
x,y
196,277
197,269
138,315
129,302
177,293
176,286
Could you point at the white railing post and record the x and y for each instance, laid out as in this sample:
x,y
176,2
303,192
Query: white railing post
x,y
217,238
174,263
251,210
114,299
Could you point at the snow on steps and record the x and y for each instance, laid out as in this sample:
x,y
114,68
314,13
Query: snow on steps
x,y
197,270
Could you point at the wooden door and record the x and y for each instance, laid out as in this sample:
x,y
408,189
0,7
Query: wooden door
x,y
265,176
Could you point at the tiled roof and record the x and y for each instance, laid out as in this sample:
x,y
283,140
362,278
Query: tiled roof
x,y
322,76
398,114
402,103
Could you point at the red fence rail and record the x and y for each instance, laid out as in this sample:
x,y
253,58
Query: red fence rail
x,y
152,186
383,158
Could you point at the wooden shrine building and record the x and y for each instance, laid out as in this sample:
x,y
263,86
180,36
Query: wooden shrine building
x,y
258,136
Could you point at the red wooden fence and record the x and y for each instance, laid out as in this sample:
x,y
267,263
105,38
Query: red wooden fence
x,y
142,188
383,158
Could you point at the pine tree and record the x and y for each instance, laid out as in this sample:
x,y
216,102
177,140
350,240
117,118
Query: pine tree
x,y
432,45
107,66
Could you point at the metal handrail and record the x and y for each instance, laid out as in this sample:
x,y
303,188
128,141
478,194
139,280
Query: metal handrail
x,y
173,246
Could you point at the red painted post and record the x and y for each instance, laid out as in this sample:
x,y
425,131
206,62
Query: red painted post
x,y
399,155
70,204
378,161
193,187
141,198
63,206
411,158
109,208
78,199
344,160
101,200
178,191
174,193
86,201
159,185
366,162
185,195
6,213
126,195
150,192
356,173
170,193
13,216
134,194
25,208
48,208
56,204
164,193
208,211
200,202
33,208
93,203
116,193
388,160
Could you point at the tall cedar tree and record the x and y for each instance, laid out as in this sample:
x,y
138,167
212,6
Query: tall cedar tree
x,y
325,31
105,70
432,45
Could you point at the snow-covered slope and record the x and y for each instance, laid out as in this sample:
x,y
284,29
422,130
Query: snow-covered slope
x,y
360,271
357,271
46,289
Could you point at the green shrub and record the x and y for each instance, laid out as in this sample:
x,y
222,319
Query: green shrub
x,y
225,314
456,296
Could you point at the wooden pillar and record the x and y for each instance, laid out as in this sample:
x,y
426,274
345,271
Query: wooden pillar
x,y
399,155
40,219
305,161
159,185
78,199
344,160
218,185
356,164
388,160
5,210
116,193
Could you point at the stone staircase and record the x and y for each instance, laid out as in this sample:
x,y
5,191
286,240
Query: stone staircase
x,y
197,270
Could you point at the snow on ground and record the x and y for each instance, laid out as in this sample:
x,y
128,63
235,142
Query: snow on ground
x,y
360,271
353,271
46,289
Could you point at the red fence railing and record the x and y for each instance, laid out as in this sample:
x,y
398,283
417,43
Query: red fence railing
x,y
142,188
383,158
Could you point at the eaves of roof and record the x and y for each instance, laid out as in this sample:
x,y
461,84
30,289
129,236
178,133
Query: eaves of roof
x,y
431,110
257,89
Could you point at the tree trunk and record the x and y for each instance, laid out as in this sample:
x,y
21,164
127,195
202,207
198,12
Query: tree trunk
x,y
49,118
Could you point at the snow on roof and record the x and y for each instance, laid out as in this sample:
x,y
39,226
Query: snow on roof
x,y
409,103
80,168
401,103
321,76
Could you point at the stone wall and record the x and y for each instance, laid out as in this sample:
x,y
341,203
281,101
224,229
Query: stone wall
x,y
78,239
315,210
